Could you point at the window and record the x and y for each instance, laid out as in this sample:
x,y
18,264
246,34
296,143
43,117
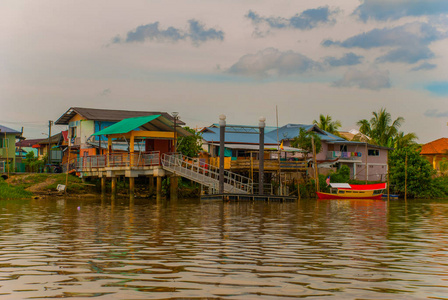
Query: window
x,y
72,132
374,152
343,148
4,143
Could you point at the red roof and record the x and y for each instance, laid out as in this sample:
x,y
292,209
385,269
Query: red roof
x,y
439,146
28,143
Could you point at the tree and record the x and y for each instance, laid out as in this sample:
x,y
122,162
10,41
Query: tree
x,y
419,172
32,162
326,123
303,141
384,132
190,145
404,140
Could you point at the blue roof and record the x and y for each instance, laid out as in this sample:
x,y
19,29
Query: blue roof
x,y
7,130
237,134
290,131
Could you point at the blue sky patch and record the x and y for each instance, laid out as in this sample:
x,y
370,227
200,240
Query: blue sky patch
x,y
438,88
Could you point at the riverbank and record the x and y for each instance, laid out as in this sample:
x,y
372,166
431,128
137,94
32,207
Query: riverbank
x,y
42,184
26,186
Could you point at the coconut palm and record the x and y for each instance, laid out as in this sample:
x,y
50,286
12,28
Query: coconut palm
x,y
404,140
383,131
326,123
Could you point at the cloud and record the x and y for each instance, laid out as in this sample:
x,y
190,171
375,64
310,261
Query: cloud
x,y
407,55
106,92
307,20
196,33
424,66
383,10
410,42
409,34
434,113
272,62
349,59
438,88
372,79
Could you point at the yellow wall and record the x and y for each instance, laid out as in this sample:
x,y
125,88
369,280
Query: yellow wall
x,y
214,161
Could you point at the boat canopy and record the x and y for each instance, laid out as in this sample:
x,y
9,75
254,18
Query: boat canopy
x,y
340,185
359,187
364,187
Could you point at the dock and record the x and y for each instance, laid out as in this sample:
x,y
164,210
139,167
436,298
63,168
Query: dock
x,y
248,197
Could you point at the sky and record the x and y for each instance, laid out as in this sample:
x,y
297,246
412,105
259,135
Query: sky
x,y
240,58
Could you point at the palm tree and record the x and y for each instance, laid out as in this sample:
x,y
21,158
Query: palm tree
x,y
404,140
383,131
326,123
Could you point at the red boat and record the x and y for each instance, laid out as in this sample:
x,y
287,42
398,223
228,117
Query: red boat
x,y
354,191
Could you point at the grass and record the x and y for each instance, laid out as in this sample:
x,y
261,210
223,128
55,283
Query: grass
x,y
13,192
49,182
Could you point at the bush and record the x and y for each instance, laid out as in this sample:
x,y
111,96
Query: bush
x,y
12,192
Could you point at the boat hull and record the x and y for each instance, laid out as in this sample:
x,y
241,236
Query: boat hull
x,y
328,196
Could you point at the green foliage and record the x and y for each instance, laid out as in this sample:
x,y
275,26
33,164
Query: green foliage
x,y
420,175
444,167
326,123
384,132
190,145
12,192
33,163
304,141
341,176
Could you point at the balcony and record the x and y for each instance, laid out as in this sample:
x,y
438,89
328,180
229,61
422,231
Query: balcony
x,y
344,155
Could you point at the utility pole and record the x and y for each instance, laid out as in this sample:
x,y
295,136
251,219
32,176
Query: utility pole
x,y
49,143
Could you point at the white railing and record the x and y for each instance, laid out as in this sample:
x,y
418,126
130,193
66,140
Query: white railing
x,y
205,174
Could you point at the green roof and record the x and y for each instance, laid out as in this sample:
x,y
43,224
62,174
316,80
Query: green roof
x,y
126,125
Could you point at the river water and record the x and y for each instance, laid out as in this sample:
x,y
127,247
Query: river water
x,y
213,250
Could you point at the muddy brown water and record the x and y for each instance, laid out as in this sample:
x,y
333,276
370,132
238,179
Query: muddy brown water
x,y
57,248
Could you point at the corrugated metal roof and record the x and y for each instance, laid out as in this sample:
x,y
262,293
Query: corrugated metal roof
x,y
290,131
211,134
126,125
145,123
108,115
8,130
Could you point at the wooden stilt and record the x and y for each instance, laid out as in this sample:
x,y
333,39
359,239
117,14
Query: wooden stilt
x,y
174,188
103,186
159,188
114,187
131,187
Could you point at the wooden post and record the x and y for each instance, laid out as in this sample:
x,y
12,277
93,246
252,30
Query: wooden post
x,y
114,187
68,159
316,173
406,177
7,154
109,150
103,186
388,182
159,188
367,170
131,187
174,188
49,143
131,149
151,185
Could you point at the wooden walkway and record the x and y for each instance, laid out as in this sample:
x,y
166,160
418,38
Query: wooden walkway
x,y
248,197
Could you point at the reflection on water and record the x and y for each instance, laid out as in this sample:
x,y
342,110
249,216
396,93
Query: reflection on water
x,y
191,249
